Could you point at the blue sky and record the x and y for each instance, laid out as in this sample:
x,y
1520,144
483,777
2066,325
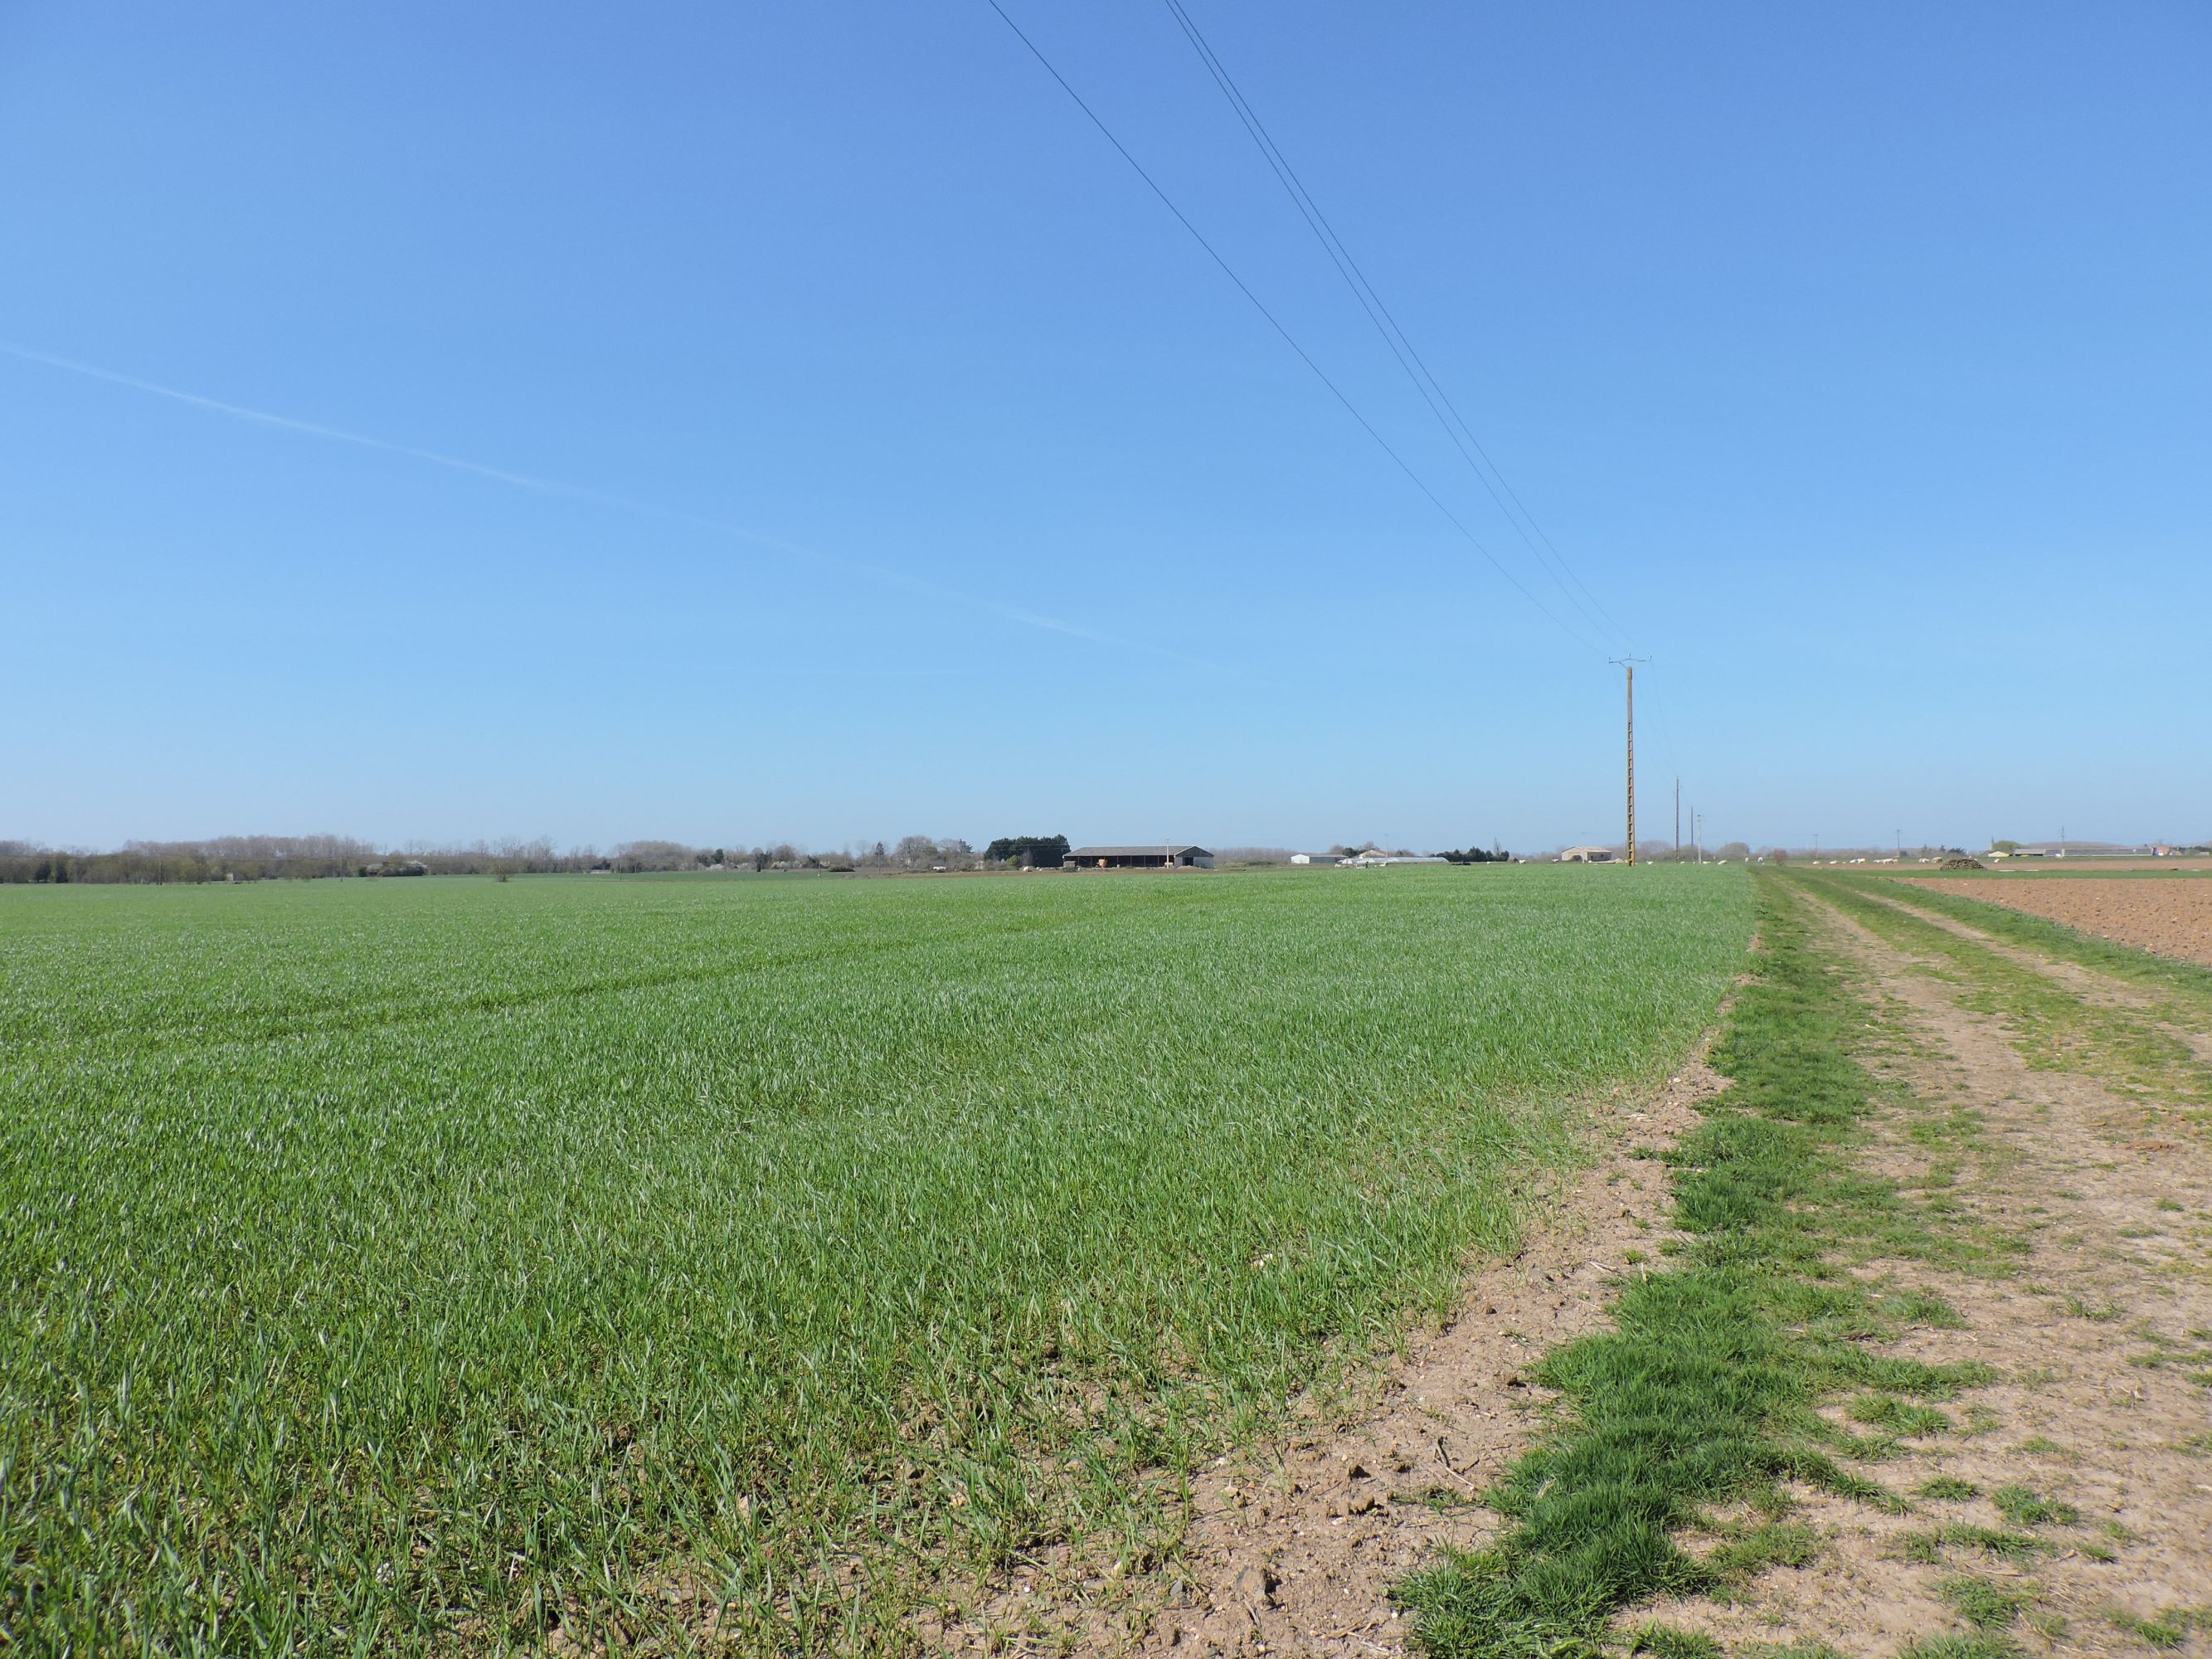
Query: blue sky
x,y
915,471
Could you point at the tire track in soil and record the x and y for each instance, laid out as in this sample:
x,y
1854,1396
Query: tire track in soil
x,y
2172,918
2118,1272
2099,989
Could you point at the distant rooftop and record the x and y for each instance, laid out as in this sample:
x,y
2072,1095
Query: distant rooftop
x,y
1155,851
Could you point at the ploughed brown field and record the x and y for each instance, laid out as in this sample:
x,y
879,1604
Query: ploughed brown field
x,y
2081,869
2172,918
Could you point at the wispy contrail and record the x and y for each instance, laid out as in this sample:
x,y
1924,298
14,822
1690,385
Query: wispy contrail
x,y
604,498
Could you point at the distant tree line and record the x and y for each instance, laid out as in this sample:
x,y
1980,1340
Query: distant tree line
x,y
300,858
1479,856
247,858
1028,851
274,858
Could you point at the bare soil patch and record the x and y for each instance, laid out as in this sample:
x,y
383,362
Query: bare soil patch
x,y
2173,919
2076,868
2104,866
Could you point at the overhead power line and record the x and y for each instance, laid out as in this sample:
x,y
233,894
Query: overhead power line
x,y
1305,357
1394,336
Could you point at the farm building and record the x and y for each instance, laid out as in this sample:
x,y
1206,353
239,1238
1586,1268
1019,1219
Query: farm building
x,y
1139,858
1586,855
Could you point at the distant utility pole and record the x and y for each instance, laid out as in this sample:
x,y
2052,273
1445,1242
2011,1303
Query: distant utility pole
x,y
1678,820
1629,663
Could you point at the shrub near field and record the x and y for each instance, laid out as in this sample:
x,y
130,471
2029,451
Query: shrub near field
x,y
401,1268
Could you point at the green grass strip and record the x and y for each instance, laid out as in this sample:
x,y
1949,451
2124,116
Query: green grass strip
x,y
1706,1389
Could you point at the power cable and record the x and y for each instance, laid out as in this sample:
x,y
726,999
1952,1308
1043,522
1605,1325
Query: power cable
x,y
1411,361
1394,336
1243,287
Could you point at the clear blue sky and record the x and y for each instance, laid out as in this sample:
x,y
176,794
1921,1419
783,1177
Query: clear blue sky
x,y
1859,357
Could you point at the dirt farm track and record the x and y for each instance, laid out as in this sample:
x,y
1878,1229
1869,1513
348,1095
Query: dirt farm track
x,y
2172,918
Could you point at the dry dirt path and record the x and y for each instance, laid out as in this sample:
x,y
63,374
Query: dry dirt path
x,y
2100,1333
2099,990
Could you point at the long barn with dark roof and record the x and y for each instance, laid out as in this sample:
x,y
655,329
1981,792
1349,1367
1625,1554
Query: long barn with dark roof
x,y
1138,858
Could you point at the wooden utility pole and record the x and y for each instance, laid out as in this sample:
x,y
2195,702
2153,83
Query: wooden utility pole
x,y
1629,663
1678,820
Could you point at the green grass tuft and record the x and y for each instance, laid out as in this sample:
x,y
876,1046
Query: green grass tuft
x,y
1950,1487
1888,1412
1666,1642
2166,1630
1922,1549
1982,1604
1963,1644
2008,1545
2021,1506
1773,1543
1922,1308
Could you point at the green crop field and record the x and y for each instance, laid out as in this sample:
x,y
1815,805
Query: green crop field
x,y
414,1266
